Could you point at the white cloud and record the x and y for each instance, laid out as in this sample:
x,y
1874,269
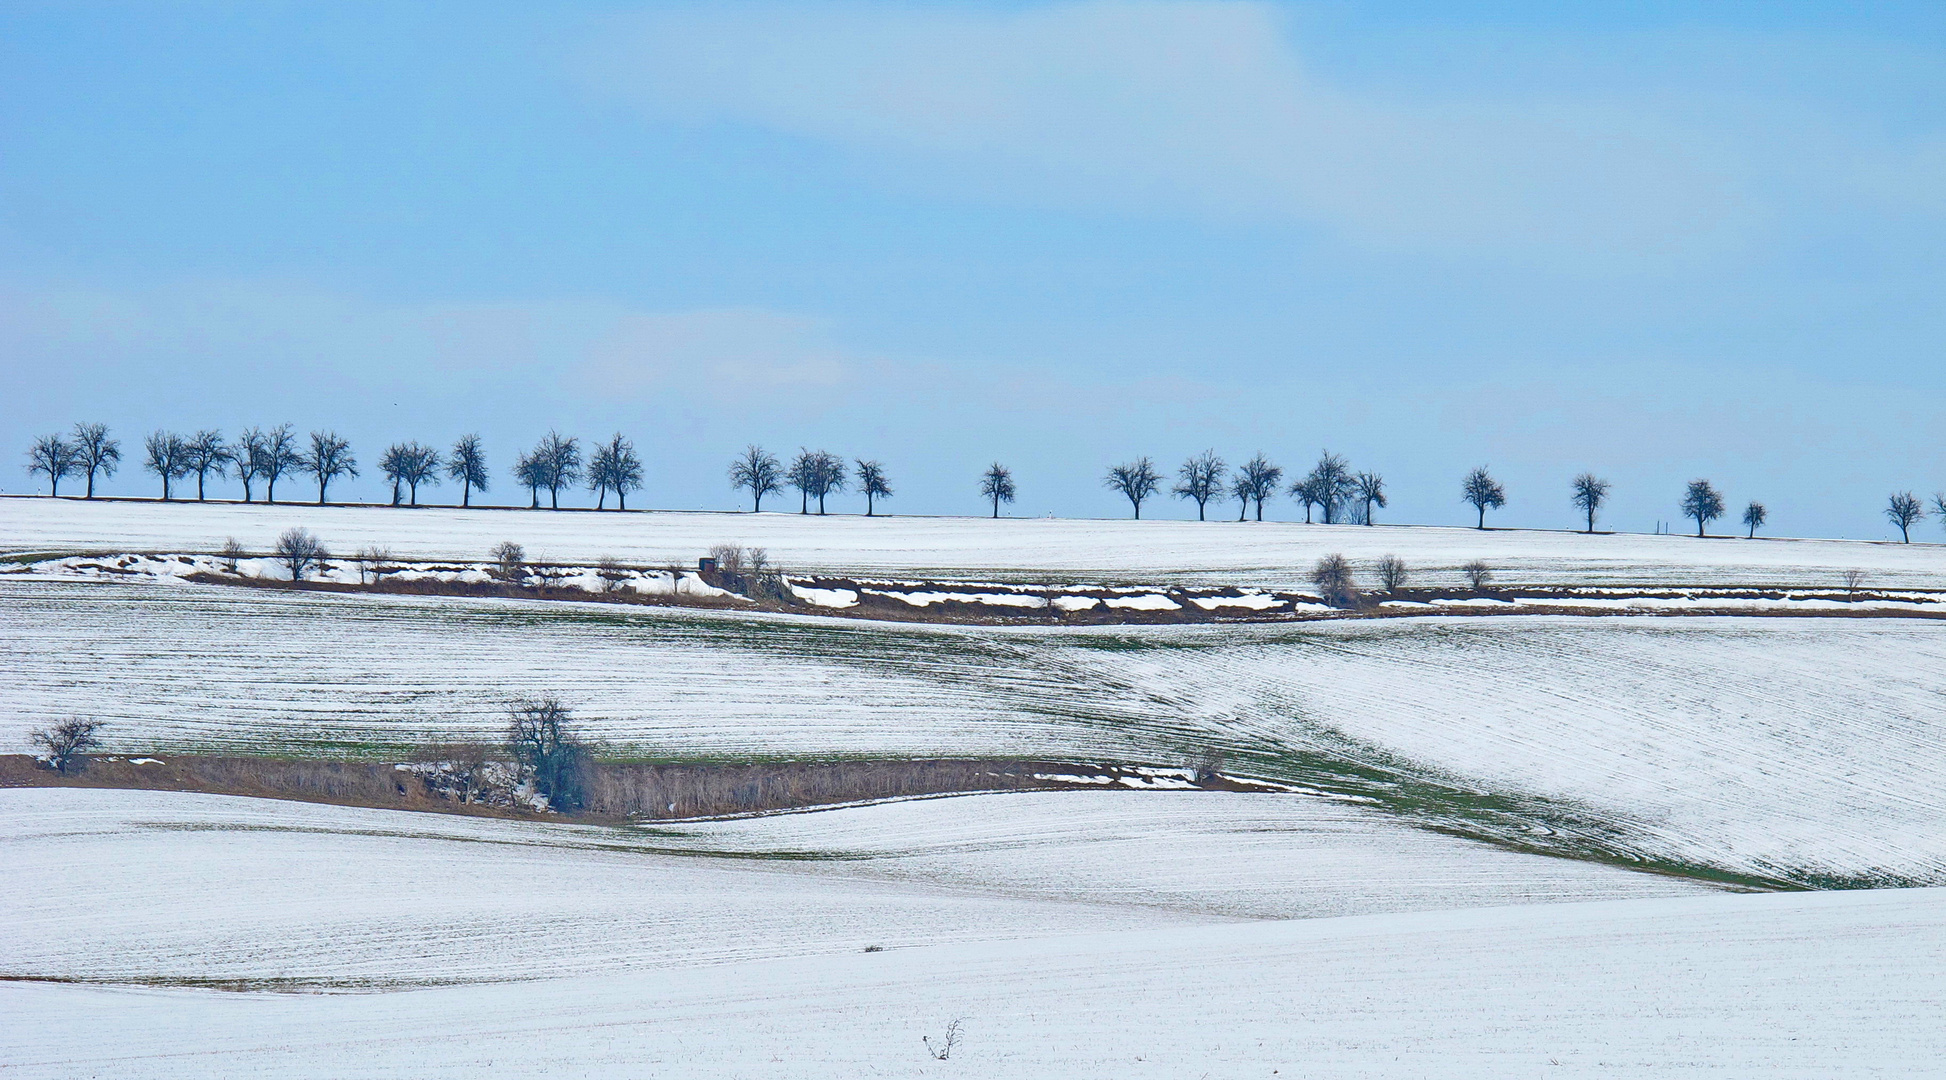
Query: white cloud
x,y
1205,108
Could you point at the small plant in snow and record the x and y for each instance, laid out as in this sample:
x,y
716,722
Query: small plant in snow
x,y
373,562
946,1046
67,744
1853,579
1392,573
1209,766
509,562
232,554
300,551
1332,576
1478,574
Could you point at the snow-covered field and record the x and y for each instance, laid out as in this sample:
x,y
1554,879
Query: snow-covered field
x,y
1269,554
1806,749
718,968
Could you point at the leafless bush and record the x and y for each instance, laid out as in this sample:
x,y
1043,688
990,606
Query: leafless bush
x,y
372,562
548,752
67,744
469,773
509,562
766,581
1392,573
729,561
945,1048
1853,579
1332,576
232,553
1478,574
611,573
551,575
300,551
1209,766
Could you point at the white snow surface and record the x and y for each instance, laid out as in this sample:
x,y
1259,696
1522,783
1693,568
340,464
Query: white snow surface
x,y
636,964
1270,554
1760,746
144,885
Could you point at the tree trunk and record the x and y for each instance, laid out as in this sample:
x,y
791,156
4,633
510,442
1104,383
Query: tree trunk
x,y
868,504
1199,512
820,505
1483,516
199,487
1260,509
1699,526
91,483
621,499
466,491
322,483
553,498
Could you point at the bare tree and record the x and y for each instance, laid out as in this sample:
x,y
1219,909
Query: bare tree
x,y
802,475
1939,506
1369,487
1754,516
247,456
757,472
391,465
1332,576
329,459
1137,481
1305,491
467,464
560,460
997,484
1256,480
167,457
509,562
1482,491
1590,491
824,472
300,551
614,467
204,453
280,457
612,574
1703,503
871,481
1332,485
53,457
95,453
233,553
1903,509
1478,574
548,752
1392,573
531,471
1853,580
67,744
1200,478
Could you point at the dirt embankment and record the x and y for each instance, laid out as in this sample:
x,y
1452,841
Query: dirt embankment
x,y
616,790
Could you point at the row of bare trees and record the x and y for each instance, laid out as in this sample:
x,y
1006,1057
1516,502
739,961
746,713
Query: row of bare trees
x,y
1332,490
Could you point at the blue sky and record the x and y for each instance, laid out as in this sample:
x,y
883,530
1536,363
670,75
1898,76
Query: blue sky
x,y
1638,239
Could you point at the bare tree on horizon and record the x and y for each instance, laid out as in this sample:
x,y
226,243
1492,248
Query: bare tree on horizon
x,y
1754,516
1200,478
467,464
1137,481
1256,480
280,457
95,453
1703,503
167,457
872,482
1482,491
53,457
1904,509
329,459
997,484
614,467
759,472
1370,490
1590,492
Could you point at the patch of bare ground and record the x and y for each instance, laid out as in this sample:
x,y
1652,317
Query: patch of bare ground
x,y
616,791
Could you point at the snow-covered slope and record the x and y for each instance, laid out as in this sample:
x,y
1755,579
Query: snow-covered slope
x,y
1775,986
161,887
1275,554
1806,749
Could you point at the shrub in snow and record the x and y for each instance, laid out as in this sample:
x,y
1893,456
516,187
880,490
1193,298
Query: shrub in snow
x,y
1478,574
548,754
1332,576
1392,573
300,551
67,744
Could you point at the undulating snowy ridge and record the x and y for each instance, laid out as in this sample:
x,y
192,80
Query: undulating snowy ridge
x,y
1804,985
1264,554
165,887
1801,749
